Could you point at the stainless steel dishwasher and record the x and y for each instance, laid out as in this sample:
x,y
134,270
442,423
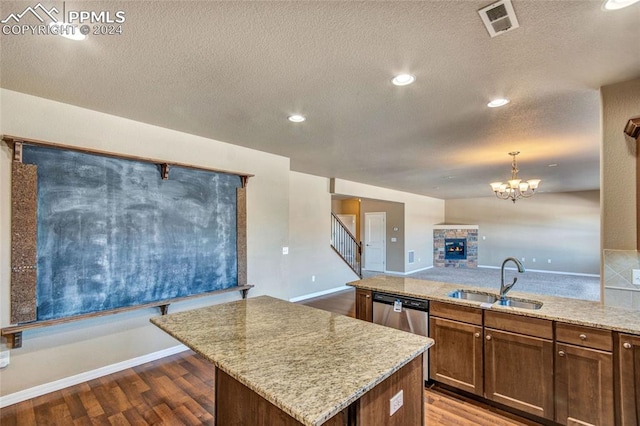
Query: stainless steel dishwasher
x,y
403,313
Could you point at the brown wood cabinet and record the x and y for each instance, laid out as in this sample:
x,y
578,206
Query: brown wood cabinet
x,y
364,305
570,374
628,370
518,367
456,358
584,376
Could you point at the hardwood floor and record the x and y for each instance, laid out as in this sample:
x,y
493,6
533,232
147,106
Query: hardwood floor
x,y
178,390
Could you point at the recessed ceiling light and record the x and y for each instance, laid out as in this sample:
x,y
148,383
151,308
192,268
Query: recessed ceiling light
x,y
297,118
66,30
403,79
553,165
617,4
498,103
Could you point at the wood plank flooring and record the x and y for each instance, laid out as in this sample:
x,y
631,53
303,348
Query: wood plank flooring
x,y
178,390
175,390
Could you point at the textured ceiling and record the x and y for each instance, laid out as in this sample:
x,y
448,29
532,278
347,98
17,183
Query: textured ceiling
x,y
234,71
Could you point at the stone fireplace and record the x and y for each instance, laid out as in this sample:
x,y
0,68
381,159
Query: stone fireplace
x,y
455,246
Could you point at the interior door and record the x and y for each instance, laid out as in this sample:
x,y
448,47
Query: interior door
x,y
374,241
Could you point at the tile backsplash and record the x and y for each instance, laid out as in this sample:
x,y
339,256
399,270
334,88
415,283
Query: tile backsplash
x,y
619,289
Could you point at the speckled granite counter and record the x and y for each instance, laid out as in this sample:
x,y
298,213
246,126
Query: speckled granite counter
x,y
308,362
572,311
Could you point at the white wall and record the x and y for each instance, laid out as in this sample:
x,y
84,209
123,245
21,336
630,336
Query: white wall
x,y
310,253
420,214
620,102
563,227
56,352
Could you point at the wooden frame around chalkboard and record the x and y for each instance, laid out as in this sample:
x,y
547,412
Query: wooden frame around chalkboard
x,y
14,333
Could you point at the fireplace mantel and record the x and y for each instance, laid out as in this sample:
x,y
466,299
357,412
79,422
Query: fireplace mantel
x,y
447,226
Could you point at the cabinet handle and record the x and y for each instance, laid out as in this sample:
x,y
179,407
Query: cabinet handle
x,y
626,345
368,296
583,337
478,335
561,353
488,337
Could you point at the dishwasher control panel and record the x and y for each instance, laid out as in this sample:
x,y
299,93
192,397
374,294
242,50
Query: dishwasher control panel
x,y
407,302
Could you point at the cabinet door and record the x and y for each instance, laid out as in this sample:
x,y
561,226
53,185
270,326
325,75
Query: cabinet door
x,y
456,358
629,378
584,386
364,305
519,372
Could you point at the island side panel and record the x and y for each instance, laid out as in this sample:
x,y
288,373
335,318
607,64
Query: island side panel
x,y
236,404
373,407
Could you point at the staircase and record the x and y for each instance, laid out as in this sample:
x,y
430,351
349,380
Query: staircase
x,y
345,244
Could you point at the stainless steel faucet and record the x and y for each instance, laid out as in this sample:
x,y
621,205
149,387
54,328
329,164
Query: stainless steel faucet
x,y
505,288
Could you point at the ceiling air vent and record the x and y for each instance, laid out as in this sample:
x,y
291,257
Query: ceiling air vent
x,y
499,17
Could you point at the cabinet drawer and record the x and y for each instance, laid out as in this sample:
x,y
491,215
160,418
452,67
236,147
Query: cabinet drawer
x,y
519,324
584,336
456,312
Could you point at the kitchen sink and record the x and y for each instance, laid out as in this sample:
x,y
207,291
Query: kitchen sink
x,y
519,303
478,296
474,296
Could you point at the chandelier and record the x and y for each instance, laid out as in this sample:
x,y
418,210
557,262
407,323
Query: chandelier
x,y
515,188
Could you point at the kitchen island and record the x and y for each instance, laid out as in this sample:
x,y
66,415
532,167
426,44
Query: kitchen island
x,y
278,363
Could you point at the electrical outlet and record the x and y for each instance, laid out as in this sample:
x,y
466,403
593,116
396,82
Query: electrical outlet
x,y
313,278
548,260
4,359
635,273
395,403
522,259
285,250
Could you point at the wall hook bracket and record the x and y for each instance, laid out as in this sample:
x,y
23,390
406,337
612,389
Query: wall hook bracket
x,y
164,171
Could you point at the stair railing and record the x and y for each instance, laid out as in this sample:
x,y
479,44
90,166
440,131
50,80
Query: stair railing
x,y
346,245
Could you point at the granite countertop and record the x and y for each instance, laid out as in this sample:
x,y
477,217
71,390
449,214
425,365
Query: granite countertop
x,y
574,311
308,362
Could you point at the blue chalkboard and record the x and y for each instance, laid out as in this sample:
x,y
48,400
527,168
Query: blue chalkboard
x,y
112,233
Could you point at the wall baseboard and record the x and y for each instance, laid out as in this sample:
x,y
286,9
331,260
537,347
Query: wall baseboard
x,y
543,271
56,385
417,270
319,293
403,273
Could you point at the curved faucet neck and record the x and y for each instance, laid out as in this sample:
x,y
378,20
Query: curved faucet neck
x,y
505,288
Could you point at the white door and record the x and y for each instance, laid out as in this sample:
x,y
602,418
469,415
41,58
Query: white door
x,y
374,241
